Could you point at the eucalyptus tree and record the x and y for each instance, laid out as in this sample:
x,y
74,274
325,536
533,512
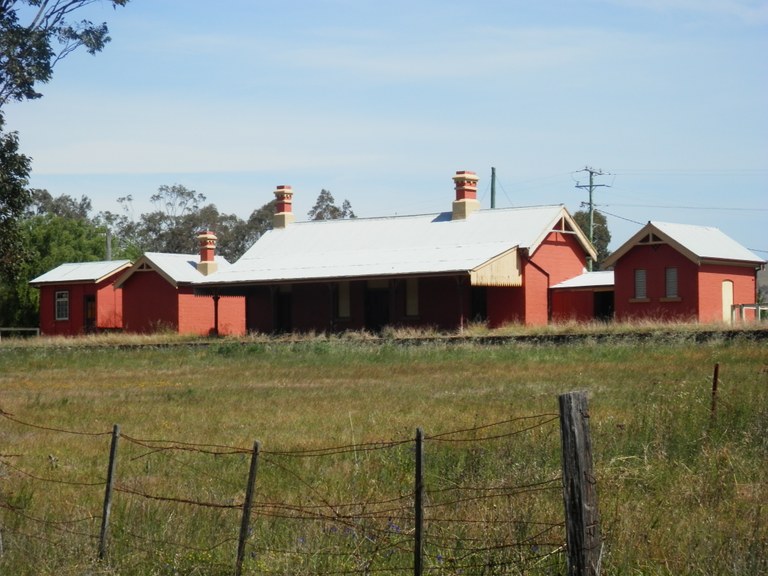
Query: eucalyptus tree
x,y
35,35
325,208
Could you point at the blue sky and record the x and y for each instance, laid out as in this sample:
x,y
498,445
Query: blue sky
x,y
381,102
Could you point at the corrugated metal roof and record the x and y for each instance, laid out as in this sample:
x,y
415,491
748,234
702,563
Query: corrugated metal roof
x,y
81,272
399,245
176,268
707,242
698,243
603,278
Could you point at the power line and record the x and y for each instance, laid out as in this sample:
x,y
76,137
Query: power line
x,y
621,217
719,208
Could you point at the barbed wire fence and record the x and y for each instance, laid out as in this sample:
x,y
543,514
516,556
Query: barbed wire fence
x,y
466,501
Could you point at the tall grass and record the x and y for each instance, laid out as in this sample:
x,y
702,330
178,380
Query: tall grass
x,y
681,491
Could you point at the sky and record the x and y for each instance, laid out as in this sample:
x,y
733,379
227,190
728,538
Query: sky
x,y
381,102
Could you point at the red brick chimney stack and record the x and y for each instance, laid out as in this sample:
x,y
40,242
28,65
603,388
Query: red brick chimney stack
x,y
466,194
207,264
283,207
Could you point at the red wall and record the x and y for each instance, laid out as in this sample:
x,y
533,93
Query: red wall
x,y
711,280
108,307
72,326
699,288
654,259
150,303
573,305
558,258
561,256
196,314
506,305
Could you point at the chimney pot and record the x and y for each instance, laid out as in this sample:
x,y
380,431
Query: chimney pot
x,y
207,264
283,207
466,194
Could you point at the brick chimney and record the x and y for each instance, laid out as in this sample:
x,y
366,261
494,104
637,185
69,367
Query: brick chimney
x,y
207,264
466,195
283,207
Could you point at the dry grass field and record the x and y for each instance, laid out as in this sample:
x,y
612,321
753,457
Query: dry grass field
x,y
681,489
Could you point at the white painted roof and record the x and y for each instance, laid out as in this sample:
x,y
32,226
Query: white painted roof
x,y
399,245
176,268
707,242
698,243
603,278
82,272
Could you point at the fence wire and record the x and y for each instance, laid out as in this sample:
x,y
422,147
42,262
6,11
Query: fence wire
x,y
342,509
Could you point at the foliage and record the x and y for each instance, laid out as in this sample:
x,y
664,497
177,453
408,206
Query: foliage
x,y
29,52
64,206
179,216
14,199
325,208
51,233
601,235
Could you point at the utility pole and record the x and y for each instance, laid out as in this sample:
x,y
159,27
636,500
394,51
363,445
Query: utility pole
x,y
493,187
591,187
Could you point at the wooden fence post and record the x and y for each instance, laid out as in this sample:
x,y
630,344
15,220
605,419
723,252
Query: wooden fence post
x,y
582,523
418,505
247,506
108,492
713,407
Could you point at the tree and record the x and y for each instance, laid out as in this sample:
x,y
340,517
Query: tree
x,y
14,199
325,208
601,236
49,240
65,206
174,226
29,52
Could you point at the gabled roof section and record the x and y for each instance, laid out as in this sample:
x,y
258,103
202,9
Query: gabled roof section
x,y
700,244
176,269
429,244
81,272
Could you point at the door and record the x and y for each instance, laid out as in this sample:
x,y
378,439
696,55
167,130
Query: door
x,y
89,313
283,309
727,300
376,309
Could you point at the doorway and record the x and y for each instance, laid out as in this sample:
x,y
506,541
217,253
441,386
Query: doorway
x,y
376,308
89,313
727,301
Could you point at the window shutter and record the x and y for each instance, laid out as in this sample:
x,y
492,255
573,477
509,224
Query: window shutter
x,y
640,284
670,281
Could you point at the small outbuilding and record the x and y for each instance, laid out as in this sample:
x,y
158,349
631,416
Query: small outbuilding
x,y
584,298
81,298
158,294
681,272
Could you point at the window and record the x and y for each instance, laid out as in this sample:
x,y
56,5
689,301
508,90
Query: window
x,y
62,305
670,283
412,297
342,300
640,285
